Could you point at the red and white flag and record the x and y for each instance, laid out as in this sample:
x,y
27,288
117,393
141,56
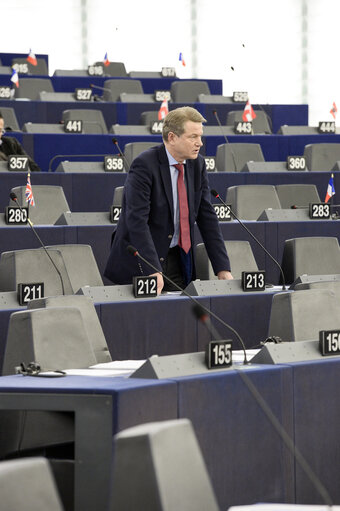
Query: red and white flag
x,y
32,59
29,192
333,110
164,110
15,77
106,60
248,113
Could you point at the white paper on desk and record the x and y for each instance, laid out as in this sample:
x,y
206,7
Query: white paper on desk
x,y
97,372
129,365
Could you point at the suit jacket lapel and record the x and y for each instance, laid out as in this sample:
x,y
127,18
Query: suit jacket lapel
x,y
166,178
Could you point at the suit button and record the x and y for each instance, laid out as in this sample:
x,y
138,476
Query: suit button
x,y
170,236
161,259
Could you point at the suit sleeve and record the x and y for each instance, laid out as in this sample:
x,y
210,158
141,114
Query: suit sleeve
x,y
209,227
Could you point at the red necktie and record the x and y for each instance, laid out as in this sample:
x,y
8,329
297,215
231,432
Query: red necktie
x,y
184,227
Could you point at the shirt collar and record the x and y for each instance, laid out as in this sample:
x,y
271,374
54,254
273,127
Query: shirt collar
x,y
172,160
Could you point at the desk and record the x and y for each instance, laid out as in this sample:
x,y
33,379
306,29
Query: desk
x,y
245,459
102,407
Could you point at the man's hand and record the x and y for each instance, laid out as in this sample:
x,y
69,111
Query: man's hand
x,y
160,281
224,275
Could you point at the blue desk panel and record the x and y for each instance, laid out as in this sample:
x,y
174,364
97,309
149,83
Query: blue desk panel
x,y
246,459
274,147
316,411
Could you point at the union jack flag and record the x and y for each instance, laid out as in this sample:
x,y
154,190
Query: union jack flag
x,y
29,192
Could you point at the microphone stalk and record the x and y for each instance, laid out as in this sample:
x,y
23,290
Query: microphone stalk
x,y
133,251
15,199
217,196
115,141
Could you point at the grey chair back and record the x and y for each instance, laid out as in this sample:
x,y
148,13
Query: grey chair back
x,y
310,255
34,266
240,255
134,149
50,203
80,264
10,118
147,118
118,196
151,469
28,484
321,157
30,88
187,91
297,195
40,69
114,88
261,123
89,316
249,201
55,338
299,316
93,120
233,157
116,69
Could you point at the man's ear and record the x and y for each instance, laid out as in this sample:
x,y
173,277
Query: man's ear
x,y
171,136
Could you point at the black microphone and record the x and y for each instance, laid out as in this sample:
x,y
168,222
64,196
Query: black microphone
x,y
115,141
14,198
133,251
225,138
217,196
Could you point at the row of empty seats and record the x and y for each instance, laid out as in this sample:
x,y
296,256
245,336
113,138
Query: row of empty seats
x,y
248,202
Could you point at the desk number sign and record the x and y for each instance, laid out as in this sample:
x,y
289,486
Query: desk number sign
x,y
253,280
15,215
144,287
222,212
319,211
32,291
218,354
329,342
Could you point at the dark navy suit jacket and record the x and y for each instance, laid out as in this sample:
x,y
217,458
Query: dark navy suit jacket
x,y
146,220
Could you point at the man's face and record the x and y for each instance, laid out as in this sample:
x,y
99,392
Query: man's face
x,y
187,145
1,127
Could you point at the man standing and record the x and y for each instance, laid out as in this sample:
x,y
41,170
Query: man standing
x,y
165,193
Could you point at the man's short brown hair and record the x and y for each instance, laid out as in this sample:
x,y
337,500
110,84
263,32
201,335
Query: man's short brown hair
x,y
176,119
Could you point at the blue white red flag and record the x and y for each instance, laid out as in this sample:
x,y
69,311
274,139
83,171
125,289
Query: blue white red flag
x,y
181,59
15,77
29,192
106,60
32,59
330,189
